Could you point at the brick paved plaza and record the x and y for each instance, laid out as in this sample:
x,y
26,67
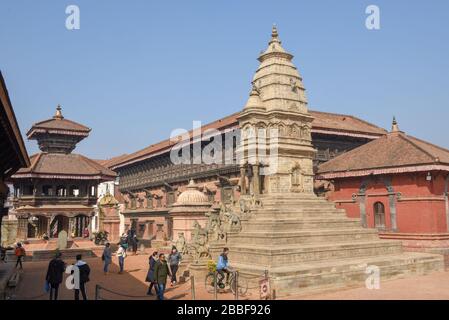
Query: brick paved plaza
x,y
132,284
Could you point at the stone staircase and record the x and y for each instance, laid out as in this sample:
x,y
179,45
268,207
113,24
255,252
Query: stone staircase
x,y
307,245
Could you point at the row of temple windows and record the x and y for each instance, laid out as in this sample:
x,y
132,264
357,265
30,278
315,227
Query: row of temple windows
x,y
49,190
134,203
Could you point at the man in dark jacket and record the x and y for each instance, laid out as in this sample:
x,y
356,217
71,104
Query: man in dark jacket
x,y
54,276
84,272
161,272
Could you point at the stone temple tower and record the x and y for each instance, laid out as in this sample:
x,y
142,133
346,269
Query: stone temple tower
x,y
302,241
276,139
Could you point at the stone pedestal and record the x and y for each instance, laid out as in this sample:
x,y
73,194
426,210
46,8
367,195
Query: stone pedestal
x,y
307,245
215,249
199,271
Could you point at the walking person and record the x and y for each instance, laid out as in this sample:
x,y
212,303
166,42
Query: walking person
x,y
106,257
84,272
174,259
161,272
19,253
54,276
150,275
134,242
3,254
121,254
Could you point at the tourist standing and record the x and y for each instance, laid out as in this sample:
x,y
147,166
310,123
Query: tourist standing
x,y
107,257
84,272
174,259
150,275
20,253
161,272
54,276
121,254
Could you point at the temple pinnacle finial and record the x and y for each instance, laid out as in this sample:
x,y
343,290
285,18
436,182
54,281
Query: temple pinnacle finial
x,y
274,31
58,114
394,125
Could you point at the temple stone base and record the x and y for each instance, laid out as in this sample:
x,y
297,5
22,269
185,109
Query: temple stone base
x,y
307,245
198,270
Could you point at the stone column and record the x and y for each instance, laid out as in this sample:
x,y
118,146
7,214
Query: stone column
x,y
256,180
243,180
71,224
48,227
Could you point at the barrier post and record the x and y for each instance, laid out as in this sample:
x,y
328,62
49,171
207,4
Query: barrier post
x,y
97,292
236,284
215,285
192,286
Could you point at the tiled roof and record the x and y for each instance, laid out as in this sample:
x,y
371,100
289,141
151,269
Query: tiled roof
x,y
343,123
59,165
394,150
59,124
326,123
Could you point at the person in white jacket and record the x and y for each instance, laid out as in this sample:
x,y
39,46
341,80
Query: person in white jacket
x,y
121,254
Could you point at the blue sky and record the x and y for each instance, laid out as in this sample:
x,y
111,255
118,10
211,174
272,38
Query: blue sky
x,y
136,70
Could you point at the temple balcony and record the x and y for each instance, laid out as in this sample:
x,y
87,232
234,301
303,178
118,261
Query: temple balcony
x,y
37,200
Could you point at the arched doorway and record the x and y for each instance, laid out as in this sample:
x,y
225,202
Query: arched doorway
x,y
58,224
379,215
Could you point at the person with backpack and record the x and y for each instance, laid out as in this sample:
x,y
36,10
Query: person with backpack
x,y
223,266
54,276
161,272
106,257
84,272
174,259
20,254
121,255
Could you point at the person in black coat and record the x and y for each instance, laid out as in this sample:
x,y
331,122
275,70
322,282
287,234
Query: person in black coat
x,y
150,275
54,276
84,270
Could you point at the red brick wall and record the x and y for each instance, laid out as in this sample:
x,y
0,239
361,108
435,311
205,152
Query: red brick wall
x,y
423,216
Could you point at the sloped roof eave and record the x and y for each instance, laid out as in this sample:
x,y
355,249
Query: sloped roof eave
x,y
380,171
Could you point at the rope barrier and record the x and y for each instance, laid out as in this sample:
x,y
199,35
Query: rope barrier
x,y
99,288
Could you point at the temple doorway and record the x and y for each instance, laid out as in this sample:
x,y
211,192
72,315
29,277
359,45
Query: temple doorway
x,y
58,224
379,215
80,224
37,227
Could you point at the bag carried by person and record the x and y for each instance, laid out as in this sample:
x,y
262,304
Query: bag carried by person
x,y
47,287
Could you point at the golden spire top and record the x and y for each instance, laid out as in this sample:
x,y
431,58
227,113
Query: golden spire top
x,y
394,125
58,114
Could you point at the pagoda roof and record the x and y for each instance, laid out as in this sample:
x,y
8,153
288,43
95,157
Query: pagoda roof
x,y
395,152
323,122
64,166
58,125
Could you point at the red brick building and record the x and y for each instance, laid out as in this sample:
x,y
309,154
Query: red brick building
x,y
398,184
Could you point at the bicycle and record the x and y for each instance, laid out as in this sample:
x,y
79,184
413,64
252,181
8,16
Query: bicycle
x,y
212,279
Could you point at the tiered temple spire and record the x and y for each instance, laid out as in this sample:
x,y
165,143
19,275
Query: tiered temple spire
x,y
277,80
